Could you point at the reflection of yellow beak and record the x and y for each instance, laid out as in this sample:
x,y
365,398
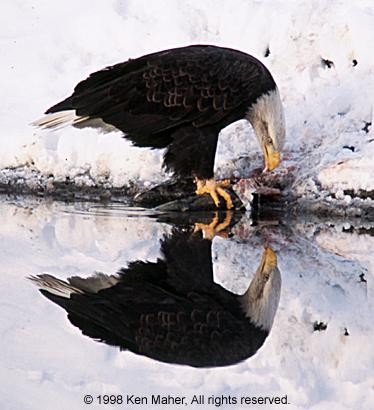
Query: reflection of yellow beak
x,y
269,260
272,157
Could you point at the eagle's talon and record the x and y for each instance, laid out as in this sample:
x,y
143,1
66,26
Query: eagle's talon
x,y
215,190
225,183
215,228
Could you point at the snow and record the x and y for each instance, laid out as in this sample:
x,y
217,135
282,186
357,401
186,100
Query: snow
x,y
46,360
321,58
48,47
350,174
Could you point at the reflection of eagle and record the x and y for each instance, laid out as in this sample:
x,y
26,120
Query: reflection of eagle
x,y
180,99
171,310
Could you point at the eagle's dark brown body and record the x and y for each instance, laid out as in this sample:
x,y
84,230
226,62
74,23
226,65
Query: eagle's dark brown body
x,y
170,310
177,99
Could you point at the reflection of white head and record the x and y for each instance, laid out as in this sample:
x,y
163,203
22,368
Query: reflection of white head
x,y
260,301
268,122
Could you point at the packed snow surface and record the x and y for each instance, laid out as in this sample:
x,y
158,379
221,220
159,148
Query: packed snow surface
x,y
320,54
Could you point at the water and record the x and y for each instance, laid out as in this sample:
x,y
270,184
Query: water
x,y
304,330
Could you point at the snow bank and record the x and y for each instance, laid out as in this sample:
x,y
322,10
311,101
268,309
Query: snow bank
x,y
319,53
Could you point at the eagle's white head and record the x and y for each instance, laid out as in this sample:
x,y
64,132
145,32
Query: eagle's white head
x,y
267,118
260,302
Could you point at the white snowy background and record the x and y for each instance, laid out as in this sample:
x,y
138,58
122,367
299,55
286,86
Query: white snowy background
x,y
47,47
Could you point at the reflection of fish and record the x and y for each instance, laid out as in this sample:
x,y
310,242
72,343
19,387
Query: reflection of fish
x,y
171,310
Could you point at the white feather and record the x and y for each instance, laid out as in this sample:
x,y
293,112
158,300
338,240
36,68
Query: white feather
x,y
64,118
55,286
260,301
267,119
75,284
59,119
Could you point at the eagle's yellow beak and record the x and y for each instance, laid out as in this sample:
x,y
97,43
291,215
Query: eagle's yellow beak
x,y
272,157
269,260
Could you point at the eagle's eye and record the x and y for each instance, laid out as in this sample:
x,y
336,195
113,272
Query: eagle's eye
x,y
268,141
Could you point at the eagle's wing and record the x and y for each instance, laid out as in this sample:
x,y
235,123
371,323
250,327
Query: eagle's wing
x,y
146,315
169,310
152,96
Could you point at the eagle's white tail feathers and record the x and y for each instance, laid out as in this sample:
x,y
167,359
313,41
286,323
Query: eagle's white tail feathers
x,y
59,119
75,284
62,119
53,285
94,283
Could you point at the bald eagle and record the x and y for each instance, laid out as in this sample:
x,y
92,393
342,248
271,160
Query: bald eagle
x,y
171,310
180,99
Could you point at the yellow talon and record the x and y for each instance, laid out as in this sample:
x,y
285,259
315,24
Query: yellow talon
x,y
214,228
215,190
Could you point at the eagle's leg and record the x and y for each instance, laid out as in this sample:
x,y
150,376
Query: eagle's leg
x,y
215,227
215,190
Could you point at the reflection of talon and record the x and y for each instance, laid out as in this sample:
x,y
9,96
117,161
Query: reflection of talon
x,y
215,190
215,228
